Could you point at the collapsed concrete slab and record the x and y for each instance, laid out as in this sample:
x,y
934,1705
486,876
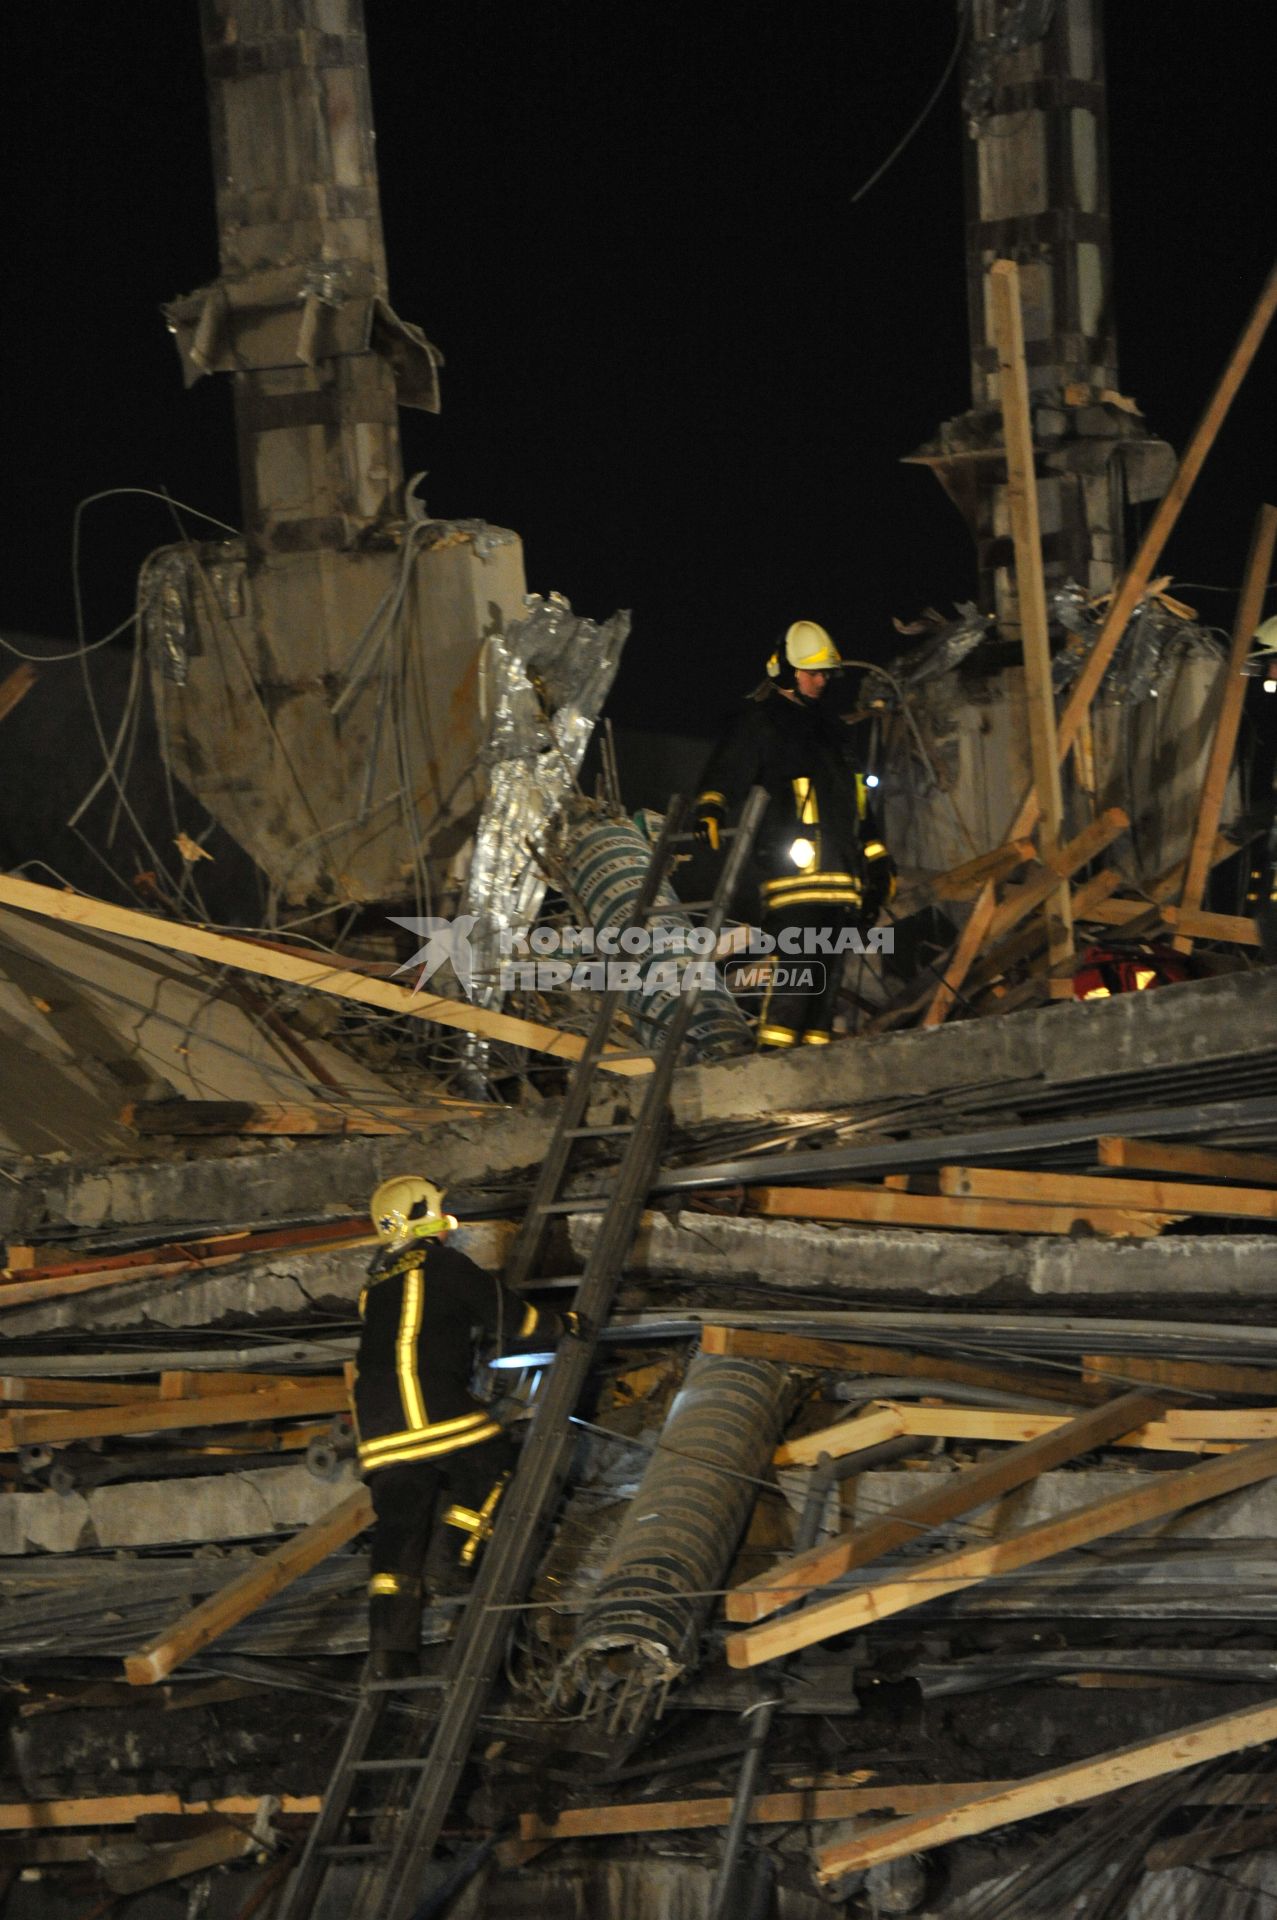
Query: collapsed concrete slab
x,y
903,1263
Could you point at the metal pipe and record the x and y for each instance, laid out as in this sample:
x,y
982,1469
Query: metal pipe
x,y
826,1474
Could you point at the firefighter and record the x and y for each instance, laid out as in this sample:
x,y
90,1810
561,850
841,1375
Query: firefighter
x,y
433,1455
822,860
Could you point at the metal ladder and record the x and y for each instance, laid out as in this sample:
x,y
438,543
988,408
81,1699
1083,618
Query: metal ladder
x,y
528,1505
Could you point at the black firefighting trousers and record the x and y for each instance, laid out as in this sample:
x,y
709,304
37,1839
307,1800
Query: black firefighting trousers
x,y
800,1004
453,1496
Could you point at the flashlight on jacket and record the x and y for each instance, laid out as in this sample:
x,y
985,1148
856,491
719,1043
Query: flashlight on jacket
x,y
803,854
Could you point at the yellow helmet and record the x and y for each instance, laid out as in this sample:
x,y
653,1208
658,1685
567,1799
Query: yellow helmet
x,y
408,1207
806,646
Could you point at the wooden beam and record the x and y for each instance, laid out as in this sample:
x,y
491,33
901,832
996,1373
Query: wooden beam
x,y
213,1117
955,1494
1024,943
16,686
166,1416
1196,1432
869,1429
847,1356
965,881
233,1603
990,922
1062,862
1026,534
1131,588
876,1207
56,1282
810,1803
1236,928
1157,1496
821,1803
1100,1190
1211,1163
123,1809
970,941
1061,1787
224,950
25,1390
1250,610
1197,1376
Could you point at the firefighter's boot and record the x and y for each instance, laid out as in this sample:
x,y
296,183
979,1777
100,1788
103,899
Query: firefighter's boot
x,y
394,1626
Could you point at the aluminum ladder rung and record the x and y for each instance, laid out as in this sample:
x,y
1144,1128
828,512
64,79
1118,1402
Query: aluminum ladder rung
x,y
387,1766
598,1133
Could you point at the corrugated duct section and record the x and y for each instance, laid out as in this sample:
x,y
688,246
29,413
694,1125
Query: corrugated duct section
x,y
675,1545
606,863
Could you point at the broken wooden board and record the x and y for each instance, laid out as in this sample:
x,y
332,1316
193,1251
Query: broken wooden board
x,y
1101,1190
303,971
260,1583
1228,927
848,1356
874,1206
1064,1786
954,1495
1196,1431
1207,1163
1160,1495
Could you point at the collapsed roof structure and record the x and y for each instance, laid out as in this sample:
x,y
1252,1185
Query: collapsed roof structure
x,y
899,1538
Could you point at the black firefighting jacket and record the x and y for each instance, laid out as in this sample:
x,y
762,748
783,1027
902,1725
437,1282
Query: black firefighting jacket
x,y
800,753
421,1310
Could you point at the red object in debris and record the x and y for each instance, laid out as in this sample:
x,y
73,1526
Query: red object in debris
x,y
1108,970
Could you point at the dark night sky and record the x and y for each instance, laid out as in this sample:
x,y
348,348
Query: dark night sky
x,y
679,360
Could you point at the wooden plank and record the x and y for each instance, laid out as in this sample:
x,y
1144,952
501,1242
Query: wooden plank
x,y
1099,1190
965,881
1159,1494
1197,1376
166,1416
1250,611
123,1809
1131,588
1026,534
970,941
1211,1163
57,1285
877,1207
1066,1786
847,1356
213,1117
669,1816
262,1581
1197,1432
16,686
869,1429
1236,928
25,1390
190,1384
822,1803
202,1246
225,950
1024,943
954,1495
1063,861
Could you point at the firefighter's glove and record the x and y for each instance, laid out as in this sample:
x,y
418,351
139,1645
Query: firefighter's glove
x,y
576,1324
708,830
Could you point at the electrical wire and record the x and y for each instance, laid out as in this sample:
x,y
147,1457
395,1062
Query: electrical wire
x,y
964,15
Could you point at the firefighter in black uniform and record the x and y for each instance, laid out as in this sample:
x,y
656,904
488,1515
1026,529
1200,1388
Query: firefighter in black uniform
x,y
432,1454
823,861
